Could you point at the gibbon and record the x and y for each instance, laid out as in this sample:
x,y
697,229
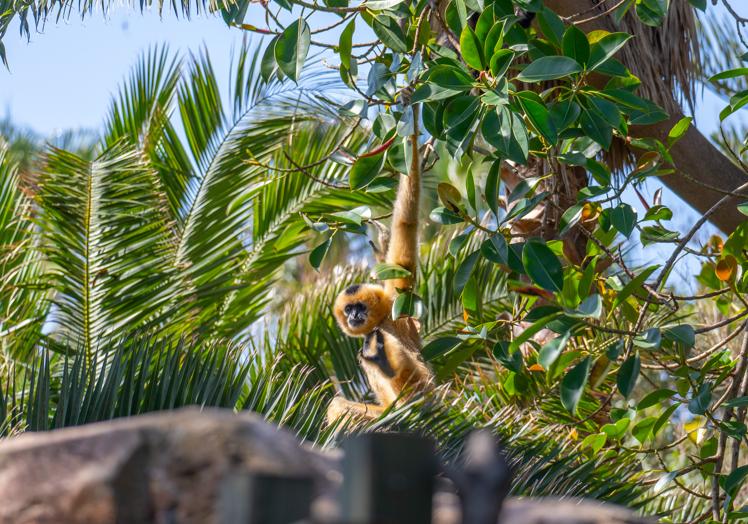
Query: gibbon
x,y
391,353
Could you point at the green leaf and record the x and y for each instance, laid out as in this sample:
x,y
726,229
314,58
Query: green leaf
x,y
551,25
655,398
542,265
643,429
464,270
617,430
500,62
570,217
390,32
575,45
573,385
743,208
730,73
658,213
450,77
345,44
494,40
595,441
389,271
495,249
549,68
699,403
537,113
318,253
651,12
591,307
471,49
679,129
604,49
268,65
623,218
442,215
365,169
735,480
292,48
683,334
510,360
650,339
552,349
493,181
439,347
594,125
407,304
698,4
738,402
628,374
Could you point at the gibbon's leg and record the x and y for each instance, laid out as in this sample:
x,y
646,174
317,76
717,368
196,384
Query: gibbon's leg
x,y
340,407
403,245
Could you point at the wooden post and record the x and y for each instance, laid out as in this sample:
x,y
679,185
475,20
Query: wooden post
x,y
388,478
483,481
260,498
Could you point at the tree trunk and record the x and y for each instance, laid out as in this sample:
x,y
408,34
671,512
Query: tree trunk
x,y
703,174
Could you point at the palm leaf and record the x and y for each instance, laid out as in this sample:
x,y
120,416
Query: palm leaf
x,y
105,237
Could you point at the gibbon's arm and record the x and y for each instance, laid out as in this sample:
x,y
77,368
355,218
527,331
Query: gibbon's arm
x,y
403,244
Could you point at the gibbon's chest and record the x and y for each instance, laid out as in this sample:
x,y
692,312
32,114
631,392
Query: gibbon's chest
x,y
381,359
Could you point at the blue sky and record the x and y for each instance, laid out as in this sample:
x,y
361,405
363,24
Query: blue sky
x,y
64,77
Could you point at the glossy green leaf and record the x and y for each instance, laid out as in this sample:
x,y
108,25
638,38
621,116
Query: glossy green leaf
x,y
604,48
552,349
439,347
345,44
655,398
292,48
495,249
542,265
389,31
628,374
623,218
407,304
471,49
650,339
572,385
549,68
643,429
500,62
464,270
700,402
575,44
385,271
537,113
683,334
365,169
317,255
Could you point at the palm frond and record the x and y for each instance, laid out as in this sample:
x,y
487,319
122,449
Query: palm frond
x,y
131,376
105,237
141,113
24,300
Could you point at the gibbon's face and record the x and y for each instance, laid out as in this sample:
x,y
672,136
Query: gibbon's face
x,y
361,308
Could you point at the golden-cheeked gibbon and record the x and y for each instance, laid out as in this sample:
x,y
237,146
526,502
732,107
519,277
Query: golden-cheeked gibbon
x,y
391,353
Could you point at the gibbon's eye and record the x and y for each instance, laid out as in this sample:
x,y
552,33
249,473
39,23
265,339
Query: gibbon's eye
x,y
347,309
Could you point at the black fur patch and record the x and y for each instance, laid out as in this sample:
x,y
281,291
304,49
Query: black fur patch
x,y
375,353
352,290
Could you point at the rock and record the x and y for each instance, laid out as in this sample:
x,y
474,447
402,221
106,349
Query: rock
x,y
161,467
191,466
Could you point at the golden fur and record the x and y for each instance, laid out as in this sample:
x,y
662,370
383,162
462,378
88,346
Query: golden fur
x,y
391,356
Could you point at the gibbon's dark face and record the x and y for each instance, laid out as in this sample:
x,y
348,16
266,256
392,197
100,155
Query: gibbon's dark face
x,y
361,308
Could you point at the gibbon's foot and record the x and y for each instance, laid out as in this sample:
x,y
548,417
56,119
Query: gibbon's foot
x,y
340,407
